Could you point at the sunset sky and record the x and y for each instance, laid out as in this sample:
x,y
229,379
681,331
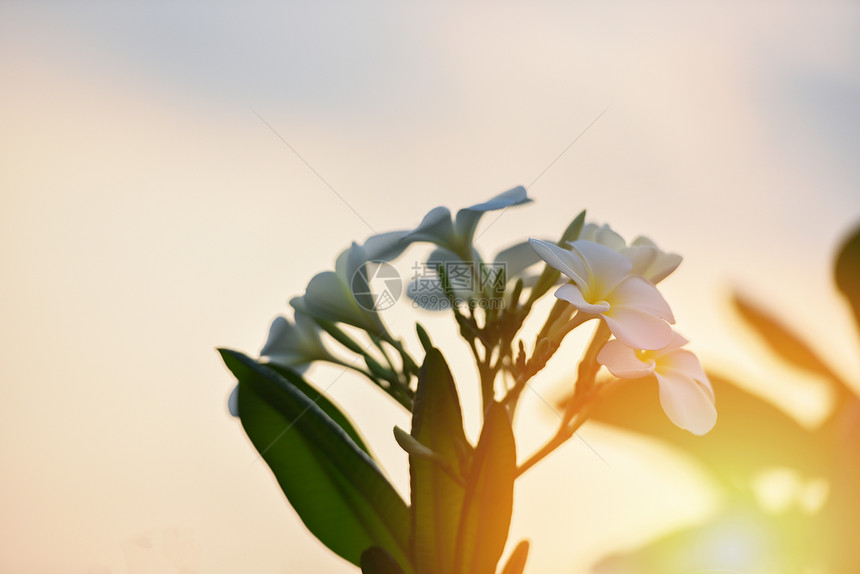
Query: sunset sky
x,y
149,215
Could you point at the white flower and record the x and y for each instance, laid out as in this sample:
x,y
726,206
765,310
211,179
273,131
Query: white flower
x,y
685,391
603,286
455,235
330,295
648,260
293,345
602,234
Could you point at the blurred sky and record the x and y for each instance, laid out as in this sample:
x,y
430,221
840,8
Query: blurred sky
x,y
148,215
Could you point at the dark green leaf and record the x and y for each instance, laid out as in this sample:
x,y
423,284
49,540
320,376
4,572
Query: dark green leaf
x,y
848,272
322,402
487,507
375,560
423,337
335,487
780,339
574,229
517,562
437,498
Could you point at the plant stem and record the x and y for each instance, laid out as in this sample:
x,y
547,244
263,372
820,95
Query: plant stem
x,y
522,378
576,412
564,432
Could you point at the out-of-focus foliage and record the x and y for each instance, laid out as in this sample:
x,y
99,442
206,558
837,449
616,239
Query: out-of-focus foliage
x,y
752,437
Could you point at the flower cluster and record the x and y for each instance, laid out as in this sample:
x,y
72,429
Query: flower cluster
x,y
451,524
616,283
606,279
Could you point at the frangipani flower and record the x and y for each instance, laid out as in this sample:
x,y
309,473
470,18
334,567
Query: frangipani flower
x,y
330,295
685,391
603,286
293,345
602,234
648,260
455,235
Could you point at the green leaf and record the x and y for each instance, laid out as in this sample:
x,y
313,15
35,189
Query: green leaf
x,y
322,402
574,229
487,507
375,560
437,498
780,339
847,272
423,337
335,487
517,562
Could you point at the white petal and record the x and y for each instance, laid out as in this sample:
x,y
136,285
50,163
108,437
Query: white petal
x,y
687,402
642,257
561,259
513,196
588,231
340,265
356,258
675,342
622,361
636,291
357,277
309,332
233,401
327,296
298,303
636,328
282,344
650,261
436,227
602,234
686,363
385,246
644,241
608,237
573,295
663,266
605,267
306,327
